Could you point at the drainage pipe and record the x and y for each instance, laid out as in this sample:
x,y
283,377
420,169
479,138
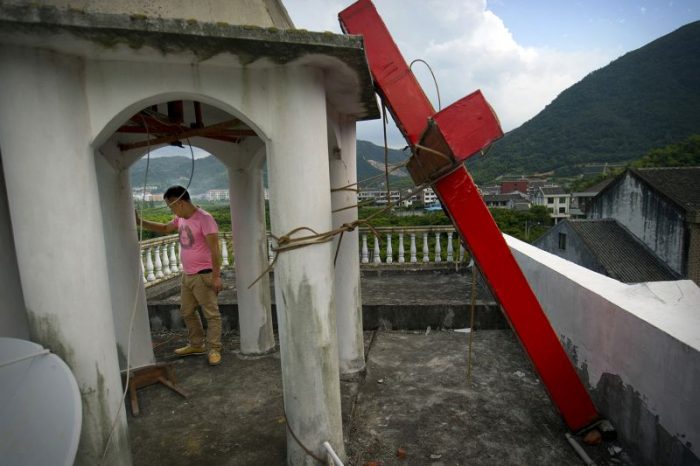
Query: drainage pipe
x,y
332,454
581,453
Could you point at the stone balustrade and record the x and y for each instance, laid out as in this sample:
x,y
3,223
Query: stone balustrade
x,y
160,257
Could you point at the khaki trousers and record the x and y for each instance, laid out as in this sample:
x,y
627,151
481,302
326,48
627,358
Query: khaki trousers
x,y
199,290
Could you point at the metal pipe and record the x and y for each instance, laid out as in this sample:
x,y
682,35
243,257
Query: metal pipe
x,y
332,454
577,448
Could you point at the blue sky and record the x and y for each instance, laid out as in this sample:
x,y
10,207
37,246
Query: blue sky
x,y
520,53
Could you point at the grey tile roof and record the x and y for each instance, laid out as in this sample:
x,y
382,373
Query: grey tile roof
x,y
623,256
552,190
596,188
680,184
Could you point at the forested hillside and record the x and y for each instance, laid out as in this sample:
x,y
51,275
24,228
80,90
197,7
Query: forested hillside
x,y
647,98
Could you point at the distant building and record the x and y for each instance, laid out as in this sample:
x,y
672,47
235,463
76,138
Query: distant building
x,y
515,185
428,196
378,197
514,201
484,190
661,207
606,247
217,195
581,200
555,199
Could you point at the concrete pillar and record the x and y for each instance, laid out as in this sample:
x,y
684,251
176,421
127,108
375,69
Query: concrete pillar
x,y
250,251
59,238
300,197
13,315
343,170
126,289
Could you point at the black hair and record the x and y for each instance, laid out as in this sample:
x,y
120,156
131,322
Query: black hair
x,y
176,192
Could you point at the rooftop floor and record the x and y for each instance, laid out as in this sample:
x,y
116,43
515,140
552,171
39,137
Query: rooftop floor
x,y
415,396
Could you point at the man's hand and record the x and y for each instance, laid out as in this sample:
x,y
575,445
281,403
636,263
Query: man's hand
x,y
217,284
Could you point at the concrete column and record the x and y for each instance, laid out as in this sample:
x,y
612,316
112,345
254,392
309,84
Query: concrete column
x,y
59,238
300,197
348,300
250,251
13,316
126,289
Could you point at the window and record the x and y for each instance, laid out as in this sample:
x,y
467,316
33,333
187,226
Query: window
x,y
550,200
562,241
562,200
562,210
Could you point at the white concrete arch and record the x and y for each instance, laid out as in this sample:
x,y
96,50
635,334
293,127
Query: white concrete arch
x,y
118,90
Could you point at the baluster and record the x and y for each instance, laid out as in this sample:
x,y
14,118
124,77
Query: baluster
x,y
224,253
173,258
462,252
270,252
450,251
438,248
414,257
179,255
365,251
389,250
143,274
377,258
158,263
402,253
149,265
165,260
426,250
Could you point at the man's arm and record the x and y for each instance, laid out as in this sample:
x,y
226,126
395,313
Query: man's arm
x,y
213,242
162,228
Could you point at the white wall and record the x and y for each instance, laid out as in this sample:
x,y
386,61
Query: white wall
x,y
13,315
655,221
59,238
637,348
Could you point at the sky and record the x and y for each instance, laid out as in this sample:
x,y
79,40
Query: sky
x,y
520,53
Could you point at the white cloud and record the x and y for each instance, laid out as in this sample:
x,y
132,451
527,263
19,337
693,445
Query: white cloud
x,y
468,48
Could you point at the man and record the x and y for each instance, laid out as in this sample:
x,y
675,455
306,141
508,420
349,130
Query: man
x,y
201,278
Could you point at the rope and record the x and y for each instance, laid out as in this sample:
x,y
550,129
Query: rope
x,y
386,155
303,447
437,88
471,323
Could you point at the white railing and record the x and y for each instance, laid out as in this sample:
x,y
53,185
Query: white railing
x,y
160,257
411,245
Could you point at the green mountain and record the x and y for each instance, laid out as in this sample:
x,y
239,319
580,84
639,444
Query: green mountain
x,y
646,99
209,173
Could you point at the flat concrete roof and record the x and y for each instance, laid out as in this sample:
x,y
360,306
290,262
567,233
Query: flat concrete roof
x,y
116,37
414,396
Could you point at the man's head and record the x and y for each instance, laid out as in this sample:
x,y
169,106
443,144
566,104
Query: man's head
x,y
178,199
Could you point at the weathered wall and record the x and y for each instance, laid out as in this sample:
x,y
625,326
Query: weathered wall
x,y
637,348
59,238
655,221
263,13
13,316
576,250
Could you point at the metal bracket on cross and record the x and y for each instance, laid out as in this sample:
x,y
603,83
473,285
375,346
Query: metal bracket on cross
x,y
440,143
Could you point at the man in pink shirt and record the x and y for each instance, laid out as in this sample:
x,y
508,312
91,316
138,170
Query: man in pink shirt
x,y
201,278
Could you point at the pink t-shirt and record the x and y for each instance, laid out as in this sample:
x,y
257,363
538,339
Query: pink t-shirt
x,y
194,249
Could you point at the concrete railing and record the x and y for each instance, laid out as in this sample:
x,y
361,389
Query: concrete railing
x,y
160,257
412,245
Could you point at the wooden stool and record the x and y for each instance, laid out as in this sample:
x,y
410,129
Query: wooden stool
x,y
161,372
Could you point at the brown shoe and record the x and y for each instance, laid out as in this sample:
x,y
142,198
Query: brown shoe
x,y
214,357
190,350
